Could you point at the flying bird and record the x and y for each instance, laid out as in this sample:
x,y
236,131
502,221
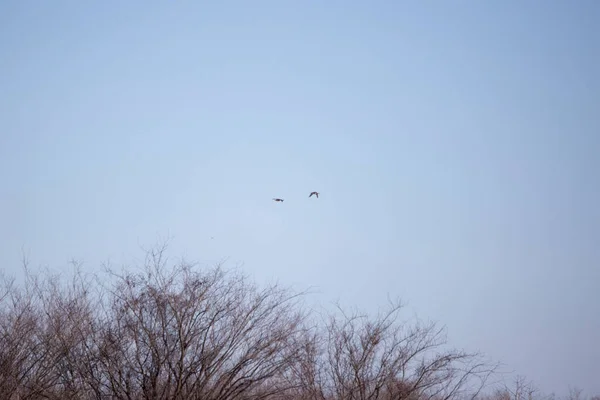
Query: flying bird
x,y
278,199
315,193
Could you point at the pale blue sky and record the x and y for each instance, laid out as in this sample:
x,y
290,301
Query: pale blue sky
x,y
456,146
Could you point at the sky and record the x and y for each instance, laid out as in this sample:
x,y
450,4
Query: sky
x,y
455,146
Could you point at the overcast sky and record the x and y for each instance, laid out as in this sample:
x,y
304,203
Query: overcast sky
x,y
455,144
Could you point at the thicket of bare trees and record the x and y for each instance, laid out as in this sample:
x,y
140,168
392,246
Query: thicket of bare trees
x,y
183,332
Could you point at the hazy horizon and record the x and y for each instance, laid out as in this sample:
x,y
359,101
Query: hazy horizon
x,y
455,147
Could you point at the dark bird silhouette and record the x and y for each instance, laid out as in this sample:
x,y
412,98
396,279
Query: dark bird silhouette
x,y
278,199
315,193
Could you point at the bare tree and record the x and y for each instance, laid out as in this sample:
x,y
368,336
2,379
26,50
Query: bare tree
x,y
363,358
25,353
195,334
42,342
